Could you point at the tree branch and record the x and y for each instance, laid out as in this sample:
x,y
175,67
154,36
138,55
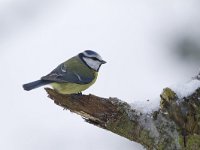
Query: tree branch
x,y
176,125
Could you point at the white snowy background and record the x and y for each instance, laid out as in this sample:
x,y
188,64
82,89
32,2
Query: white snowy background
x,y
137,38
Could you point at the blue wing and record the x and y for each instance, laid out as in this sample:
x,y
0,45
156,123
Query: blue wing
x,y
63,74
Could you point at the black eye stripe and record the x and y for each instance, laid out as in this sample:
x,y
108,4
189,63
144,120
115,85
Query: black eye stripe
x,y
94,58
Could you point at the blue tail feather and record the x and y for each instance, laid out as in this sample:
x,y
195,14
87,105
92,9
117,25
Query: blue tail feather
x,y
35,84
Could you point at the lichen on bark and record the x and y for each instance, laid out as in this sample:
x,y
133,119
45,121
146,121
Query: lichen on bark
x,y
185,113
176,125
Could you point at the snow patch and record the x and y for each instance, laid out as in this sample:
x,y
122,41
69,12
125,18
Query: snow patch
x,y
186,89
146,106
182,90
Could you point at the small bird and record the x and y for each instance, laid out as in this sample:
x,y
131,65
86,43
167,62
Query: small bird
x,y
72,76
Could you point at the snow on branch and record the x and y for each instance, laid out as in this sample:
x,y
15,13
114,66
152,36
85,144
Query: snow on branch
x,y
175,125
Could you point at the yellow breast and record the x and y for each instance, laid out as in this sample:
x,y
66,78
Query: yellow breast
x,y
72,88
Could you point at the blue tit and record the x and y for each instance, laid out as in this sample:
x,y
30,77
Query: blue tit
x,y
73,76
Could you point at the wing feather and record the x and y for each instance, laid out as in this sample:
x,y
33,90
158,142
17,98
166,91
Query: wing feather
x,y
72,74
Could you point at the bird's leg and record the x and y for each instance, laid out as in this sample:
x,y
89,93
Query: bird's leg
x,y
79,94
76,95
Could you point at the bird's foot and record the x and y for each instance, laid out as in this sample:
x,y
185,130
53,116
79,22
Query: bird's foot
x,y
79,94
76,95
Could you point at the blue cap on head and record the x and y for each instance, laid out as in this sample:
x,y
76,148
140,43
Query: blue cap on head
x,y
93,55
90,52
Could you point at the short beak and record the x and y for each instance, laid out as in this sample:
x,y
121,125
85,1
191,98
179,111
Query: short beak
x,y
103,62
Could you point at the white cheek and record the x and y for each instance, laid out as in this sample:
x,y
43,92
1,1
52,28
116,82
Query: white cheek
x,y
92,63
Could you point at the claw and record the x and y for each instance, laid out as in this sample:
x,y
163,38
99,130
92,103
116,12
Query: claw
x,y
79,94
76,95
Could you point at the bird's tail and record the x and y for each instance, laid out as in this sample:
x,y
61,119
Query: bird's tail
x,y
35,84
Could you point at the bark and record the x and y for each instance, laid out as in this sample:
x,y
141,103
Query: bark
x,y
176,125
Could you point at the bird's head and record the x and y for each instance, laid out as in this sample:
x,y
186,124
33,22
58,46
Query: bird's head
x,y
92,59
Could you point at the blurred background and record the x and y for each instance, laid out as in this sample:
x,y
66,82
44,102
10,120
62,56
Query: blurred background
x,y
148,45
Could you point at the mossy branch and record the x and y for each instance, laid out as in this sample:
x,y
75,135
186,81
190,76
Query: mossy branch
x,y
176,125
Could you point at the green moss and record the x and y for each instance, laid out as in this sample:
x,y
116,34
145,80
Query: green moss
x,y
145,138
124,126
167,96
161,147
198,120
192,142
